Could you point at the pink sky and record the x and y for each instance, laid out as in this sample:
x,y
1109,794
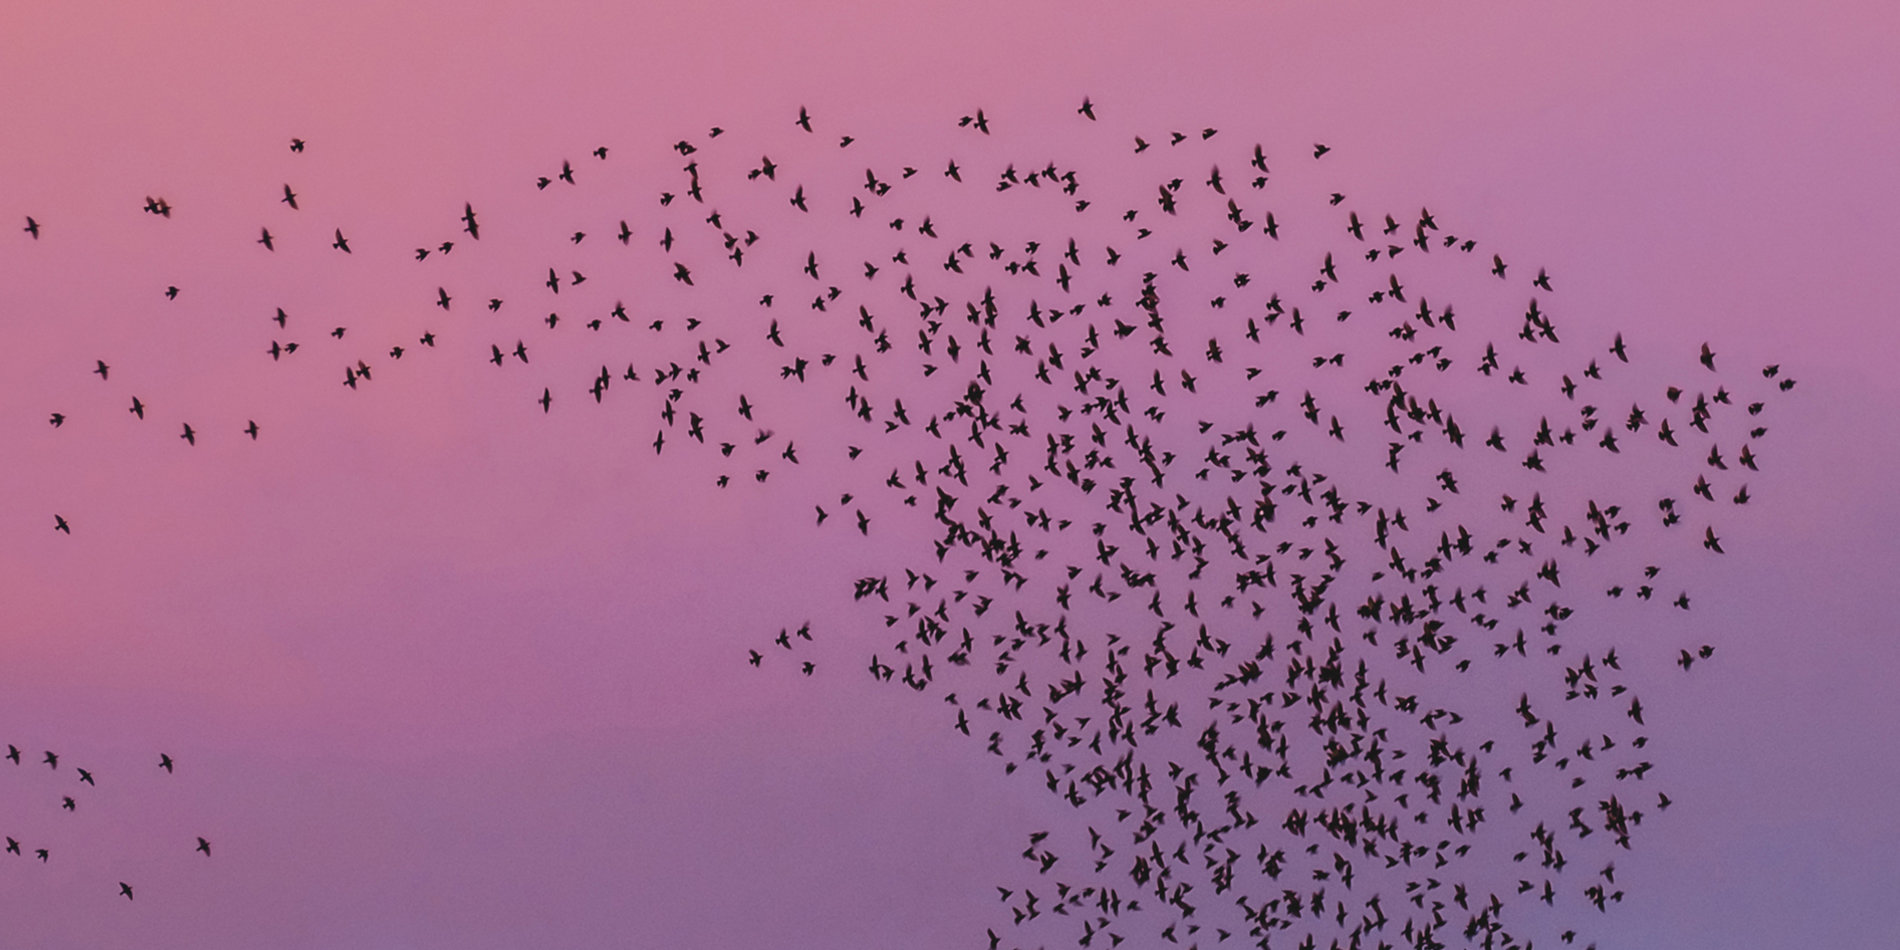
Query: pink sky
x,y
441,671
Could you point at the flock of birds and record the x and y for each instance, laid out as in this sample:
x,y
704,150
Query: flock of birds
x,y
69,803
1291,545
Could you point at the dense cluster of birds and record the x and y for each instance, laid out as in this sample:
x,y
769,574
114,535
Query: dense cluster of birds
x,y
1291,544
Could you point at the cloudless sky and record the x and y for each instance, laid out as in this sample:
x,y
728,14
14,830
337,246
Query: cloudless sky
x,y
440,670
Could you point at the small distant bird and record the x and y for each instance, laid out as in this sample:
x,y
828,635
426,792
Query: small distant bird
x,y
165,762
1088,109
341,243
296,145
125,889
32,227
59,524
190,437
289,198
204,846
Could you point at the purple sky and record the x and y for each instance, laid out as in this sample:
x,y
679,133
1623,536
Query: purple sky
x,y
442,671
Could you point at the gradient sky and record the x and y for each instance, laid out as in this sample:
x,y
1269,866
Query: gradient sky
x,y
439,672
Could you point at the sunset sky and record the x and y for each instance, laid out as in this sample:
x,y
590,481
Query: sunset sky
x,y
440,669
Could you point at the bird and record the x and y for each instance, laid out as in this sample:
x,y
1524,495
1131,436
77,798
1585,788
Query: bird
x,y
126,889
165,762
341,243
289,198
59,524
474,229
190,437
32,227
204,846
